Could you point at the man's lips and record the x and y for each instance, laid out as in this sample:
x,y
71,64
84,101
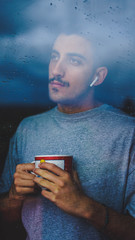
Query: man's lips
x,y
56,83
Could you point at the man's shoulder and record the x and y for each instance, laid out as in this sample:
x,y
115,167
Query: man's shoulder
x,y
37,119
117,116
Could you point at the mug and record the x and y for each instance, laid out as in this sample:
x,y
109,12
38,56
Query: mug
x,y
62,161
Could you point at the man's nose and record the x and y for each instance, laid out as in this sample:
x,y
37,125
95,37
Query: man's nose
x,y
59,69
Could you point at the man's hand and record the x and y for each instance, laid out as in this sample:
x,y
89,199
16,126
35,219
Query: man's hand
x,y
23,181
64,190
11,203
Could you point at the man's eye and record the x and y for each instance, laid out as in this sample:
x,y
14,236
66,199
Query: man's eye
x,y
54,57
75,61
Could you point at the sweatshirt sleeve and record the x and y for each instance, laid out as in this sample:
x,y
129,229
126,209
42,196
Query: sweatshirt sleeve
x,y
11,161
130,189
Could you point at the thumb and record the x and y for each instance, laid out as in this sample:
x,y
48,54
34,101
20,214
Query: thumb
x,y
76,178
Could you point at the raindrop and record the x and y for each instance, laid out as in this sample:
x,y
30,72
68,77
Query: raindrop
x,y
4,81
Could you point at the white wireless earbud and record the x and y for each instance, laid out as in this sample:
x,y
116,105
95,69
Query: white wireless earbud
x,y
96,78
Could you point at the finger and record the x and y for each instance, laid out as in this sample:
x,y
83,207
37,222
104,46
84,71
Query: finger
x,y
53,168
48,175
45,183
76,177
25,167
48,195
76,180
24,190
24,183
24,175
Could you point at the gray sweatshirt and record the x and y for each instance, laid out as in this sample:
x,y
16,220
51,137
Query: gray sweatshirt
x,y
102,143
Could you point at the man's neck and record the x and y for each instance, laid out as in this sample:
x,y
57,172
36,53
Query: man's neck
x,y
71,109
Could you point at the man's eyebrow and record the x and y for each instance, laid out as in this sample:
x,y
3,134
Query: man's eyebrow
x,y
71,54
54,51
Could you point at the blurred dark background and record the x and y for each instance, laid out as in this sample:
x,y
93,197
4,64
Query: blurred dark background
x,y
27,31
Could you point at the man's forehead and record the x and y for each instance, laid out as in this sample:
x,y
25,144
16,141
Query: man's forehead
x,y
72,43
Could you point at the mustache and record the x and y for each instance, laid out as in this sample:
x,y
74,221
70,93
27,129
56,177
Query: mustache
x,y
58,79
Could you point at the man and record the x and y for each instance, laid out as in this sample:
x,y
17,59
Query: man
x,y
99,201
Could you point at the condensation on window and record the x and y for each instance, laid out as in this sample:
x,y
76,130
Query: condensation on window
x,y
27,32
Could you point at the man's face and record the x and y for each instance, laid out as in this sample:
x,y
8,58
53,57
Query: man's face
x,y
70,69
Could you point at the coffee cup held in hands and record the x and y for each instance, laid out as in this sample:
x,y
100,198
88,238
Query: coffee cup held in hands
x,y
62,161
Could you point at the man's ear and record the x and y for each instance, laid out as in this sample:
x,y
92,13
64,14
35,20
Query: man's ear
x,y
100,74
